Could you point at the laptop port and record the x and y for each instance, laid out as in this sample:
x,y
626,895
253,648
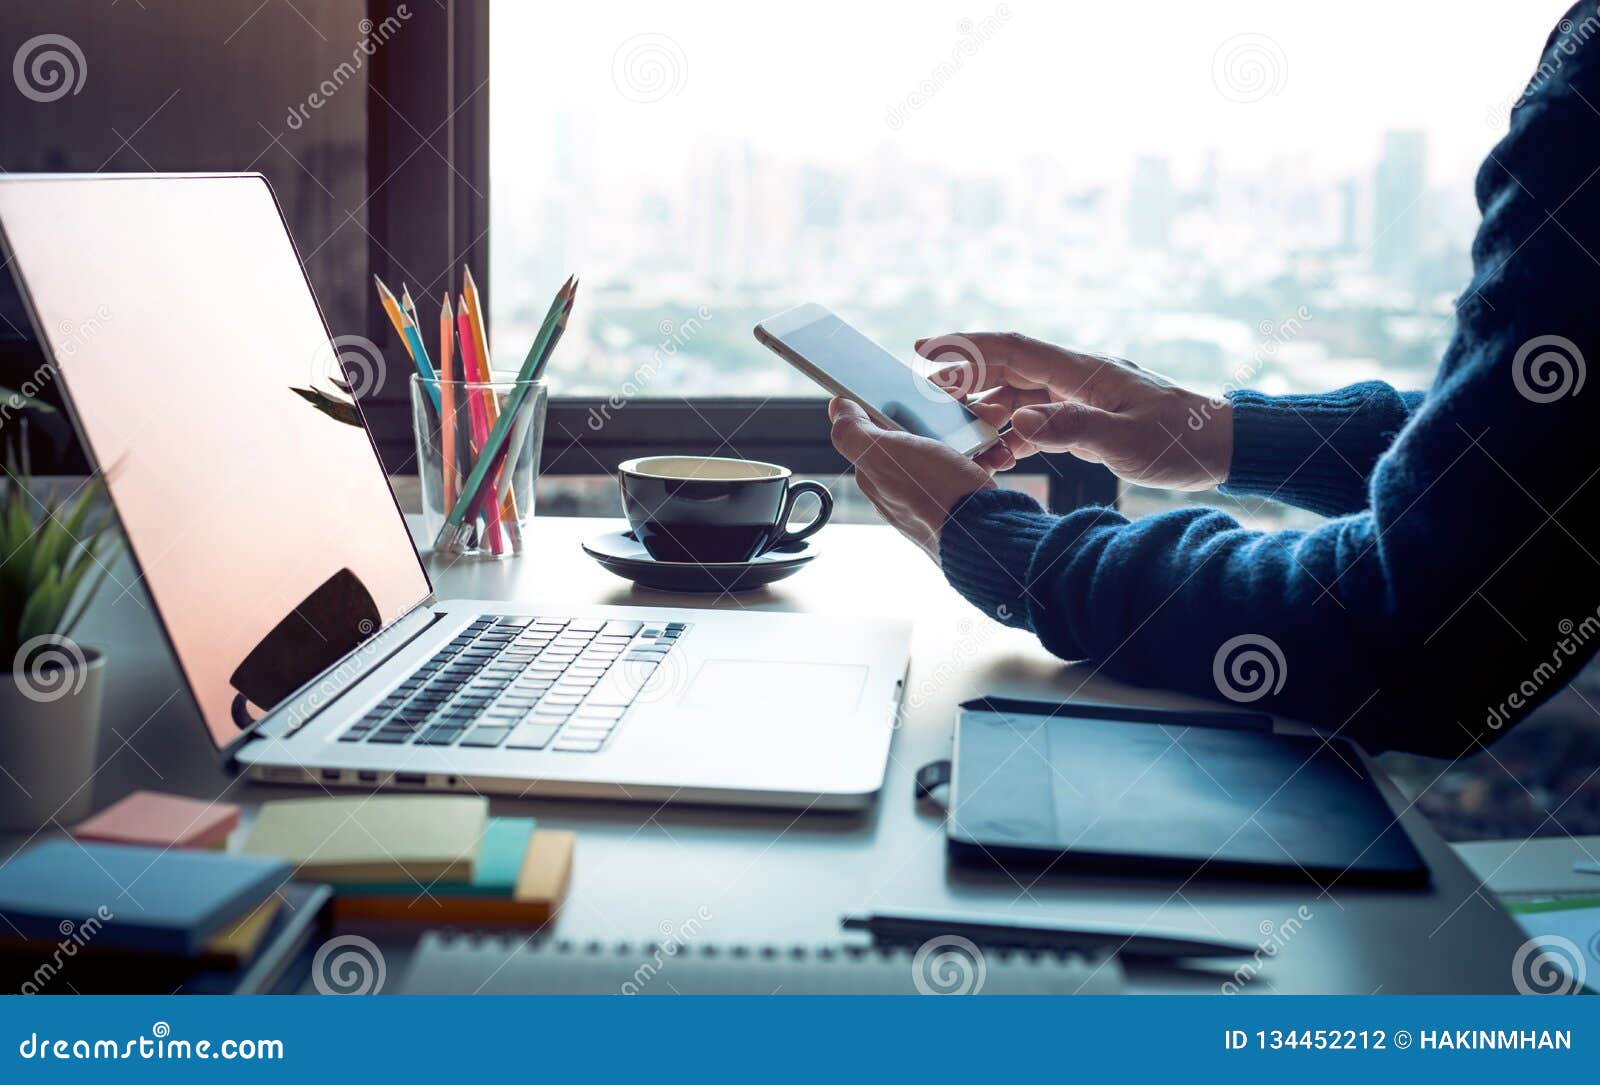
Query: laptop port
x,y
332,775
367,777
410,778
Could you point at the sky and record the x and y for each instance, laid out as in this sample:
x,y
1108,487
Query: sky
x,y
1091,85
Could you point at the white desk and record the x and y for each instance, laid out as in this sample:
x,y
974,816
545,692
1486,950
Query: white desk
x,y
773,877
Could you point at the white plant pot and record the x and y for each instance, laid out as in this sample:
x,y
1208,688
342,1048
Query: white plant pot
x,y
49,733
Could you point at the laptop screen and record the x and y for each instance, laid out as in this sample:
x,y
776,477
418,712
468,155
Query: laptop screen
x,y
186,333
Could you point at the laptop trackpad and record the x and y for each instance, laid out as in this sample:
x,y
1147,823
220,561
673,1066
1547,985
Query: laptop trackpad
x,y
769,687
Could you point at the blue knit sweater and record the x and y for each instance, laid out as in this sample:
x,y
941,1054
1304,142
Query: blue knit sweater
x,y
1456,583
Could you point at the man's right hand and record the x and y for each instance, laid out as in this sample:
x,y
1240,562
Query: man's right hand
x,y
1144,428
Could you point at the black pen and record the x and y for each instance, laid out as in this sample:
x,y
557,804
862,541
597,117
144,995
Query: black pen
x,y
890,928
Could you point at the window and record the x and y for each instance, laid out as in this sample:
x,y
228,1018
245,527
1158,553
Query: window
x,y
1231,194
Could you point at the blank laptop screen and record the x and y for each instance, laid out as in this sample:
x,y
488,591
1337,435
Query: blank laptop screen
x,y
263,526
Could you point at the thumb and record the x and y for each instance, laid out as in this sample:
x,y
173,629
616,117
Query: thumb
x,y
1056,427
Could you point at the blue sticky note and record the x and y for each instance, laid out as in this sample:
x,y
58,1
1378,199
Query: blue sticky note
x,y
119,897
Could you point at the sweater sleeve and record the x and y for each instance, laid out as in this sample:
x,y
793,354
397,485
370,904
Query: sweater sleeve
x,y
1315,452
1464,593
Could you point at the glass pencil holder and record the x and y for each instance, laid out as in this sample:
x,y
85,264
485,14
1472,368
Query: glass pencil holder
x,y
470,507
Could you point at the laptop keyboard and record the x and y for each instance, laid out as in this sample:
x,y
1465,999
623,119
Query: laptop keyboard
x,y
523,684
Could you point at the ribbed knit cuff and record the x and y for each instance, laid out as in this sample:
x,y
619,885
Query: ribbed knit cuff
x,y
986,547
1313,451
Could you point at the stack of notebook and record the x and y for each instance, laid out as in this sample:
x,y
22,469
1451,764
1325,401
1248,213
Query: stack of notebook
x,y
94,917
419,858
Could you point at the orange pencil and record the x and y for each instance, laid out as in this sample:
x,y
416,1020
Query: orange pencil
x,y
480,342
392,307
478,406
447,398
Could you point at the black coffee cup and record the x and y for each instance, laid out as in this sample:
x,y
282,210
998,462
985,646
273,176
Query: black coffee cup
x,y
707,509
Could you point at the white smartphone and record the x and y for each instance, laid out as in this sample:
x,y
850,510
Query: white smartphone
x,y
837,356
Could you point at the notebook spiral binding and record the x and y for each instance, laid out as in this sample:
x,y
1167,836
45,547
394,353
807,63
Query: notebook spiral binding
x,y
448,962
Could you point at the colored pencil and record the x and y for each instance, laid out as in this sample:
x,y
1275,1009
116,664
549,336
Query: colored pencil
x,y
480,342
419,354
480,430
392,307
525,410
475,491
447,400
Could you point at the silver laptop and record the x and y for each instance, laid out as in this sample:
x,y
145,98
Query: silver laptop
x,y
177,314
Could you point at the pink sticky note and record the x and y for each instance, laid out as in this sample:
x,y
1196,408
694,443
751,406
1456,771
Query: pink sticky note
x,y
162,821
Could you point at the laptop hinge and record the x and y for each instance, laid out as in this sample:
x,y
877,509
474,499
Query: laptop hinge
x,y
325,690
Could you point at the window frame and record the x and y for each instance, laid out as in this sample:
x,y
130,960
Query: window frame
x,y
428,148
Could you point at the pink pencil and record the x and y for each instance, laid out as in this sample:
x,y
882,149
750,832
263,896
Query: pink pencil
x,y
480,418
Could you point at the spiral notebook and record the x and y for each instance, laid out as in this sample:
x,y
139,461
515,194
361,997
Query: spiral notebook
x,y
450,963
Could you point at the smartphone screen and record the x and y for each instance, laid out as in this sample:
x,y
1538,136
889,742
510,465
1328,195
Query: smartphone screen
x,y
870,373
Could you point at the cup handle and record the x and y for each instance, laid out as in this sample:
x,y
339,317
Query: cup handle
x,y
796,490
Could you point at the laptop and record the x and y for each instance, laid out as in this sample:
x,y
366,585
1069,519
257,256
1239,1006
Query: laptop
x,y
176,312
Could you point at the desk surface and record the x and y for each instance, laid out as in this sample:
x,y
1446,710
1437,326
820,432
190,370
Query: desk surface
x,y
764,877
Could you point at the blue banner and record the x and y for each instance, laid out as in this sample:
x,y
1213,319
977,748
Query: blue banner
x,y
377,1039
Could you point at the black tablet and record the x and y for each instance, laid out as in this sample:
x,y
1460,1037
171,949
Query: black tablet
x,y
1212,795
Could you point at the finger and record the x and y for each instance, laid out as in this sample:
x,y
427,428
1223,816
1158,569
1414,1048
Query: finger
x,y
1008,355
996,458
1058,427
1018,445
1012,398
968,377
992,413
853,433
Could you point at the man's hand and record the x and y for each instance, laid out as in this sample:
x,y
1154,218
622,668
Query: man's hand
x,y
1146,429
913,482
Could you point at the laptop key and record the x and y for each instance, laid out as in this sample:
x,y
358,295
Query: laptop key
x,y
531,736
577,745
485,736
601,712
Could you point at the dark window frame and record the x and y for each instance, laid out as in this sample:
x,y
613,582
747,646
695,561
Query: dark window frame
x,y
428,148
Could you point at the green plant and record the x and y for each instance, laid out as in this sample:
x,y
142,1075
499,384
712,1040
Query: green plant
x,y
51,562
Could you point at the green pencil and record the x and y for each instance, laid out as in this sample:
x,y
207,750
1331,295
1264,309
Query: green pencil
x,y
473,490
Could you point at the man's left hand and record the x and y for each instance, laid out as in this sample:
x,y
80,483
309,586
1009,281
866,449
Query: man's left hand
x,y
912,481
